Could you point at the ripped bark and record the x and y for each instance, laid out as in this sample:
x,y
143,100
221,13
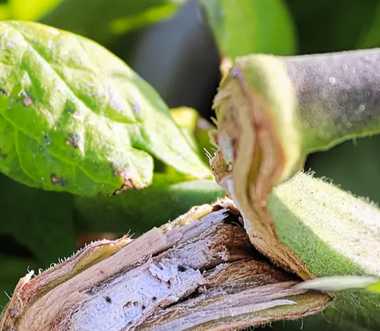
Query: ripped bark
x,y
198,272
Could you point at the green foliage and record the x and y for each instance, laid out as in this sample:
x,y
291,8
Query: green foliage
x,y
26,10
374,287
326,25
250,26
353,165
103,20
37,220
75,118
371,36
31,9
164,200
196,129
169,195
78,119
40,222
12,268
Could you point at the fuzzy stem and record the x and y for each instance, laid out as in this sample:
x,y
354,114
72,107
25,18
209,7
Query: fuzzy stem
x,y
296,105
332,233
337,96
272,111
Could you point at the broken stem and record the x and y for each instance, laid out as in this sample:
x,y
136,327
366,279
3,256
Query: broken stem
x,y
273,111
296,105
197,272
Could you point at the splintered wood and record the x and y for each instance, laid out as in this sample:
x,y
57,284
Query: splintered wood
x,y
198,272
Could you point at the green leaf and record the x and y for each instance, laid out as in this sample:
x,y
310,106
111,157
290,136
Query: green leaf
x,y
371,36
26,10
4,12
250,26
138,211
196,129
353,165
40,221
186,118
375,287
105,19
75,118
322,26
31,9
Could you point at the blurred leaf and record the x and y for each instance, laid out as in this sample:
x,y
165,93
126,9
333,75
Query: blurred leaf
x,y
186,72
31,9
186,118
41,221
196,129
75,118
355,166
374,287
152,15
203,131
102,20
12,269
371,37
5,12
138,211
250,26
26,10
320,322
325,25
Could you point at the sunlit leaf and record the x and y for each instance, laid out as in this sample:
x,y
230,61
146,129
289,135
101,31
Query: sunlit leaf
x,y
375,287
4,12
75,118
196,129
31,9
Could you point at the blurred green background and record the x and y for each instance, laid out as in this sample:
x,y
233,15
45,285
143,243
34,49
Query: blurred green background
x,y
177,47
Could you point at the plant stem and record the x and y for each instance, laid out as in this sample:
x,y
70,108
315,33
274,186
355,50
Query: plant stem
x,y
272,111
296,105
332,233
337,96
199,272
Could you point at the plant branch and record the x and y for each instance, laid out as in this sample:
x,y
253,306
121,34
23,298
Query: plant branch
x,y
337,96
272,111
198,272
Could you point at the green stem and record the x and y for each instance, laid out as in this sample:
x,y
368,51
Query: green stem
x,y
273,111
337,96
298,105
332,233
